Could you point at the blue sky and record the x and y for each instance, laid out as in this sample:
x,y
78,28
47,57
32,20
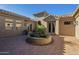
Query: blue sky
x,y
30,9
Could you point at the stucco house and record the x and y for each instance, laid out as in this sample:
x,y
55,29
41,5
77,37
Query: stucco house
x,y
14,24
67,25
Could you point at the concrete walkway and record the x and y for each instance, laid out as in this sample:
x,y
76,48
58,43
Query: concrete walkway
x,y
71,45
18,46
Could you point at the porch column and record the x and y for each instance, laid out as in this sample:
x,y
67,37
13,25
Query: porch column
x,y
47,27
57,27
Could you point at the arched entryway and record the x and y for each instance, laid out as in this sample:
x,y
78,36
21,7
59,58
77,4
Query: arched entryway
x,y
51,27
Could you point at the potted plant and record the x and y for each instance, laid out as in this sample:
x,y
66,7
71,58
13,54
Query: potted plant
x,y
39,36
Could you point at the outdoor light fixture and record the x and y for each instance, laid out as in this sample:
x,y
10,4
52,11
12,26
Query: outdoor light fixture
x,y
75,22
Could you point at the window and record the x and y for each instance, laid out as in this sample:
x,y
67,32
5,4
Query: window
x,y
67,22
18,24
30,27
8,25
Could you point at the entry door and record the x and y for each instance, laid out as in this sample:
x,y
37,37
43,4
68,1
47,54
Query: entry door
x,y
51,27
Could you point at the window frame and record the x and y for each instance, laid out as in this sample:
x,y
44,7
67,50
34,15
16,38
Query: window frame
x,y
18,23
68,22
8,22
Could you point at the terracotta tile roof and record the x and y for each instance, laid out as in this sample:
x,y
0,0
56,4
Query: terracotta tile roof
x,y
40,14
5,12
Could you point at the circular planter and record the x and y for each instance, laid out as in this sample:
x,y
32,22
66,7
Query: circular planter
x,y
39,41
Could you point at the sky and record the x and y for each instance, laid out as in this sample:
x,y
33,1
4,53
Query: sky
x,y
29,9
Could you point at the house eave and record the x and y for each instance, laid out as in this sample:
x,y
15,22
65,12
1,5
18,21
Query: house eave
x,y
12,14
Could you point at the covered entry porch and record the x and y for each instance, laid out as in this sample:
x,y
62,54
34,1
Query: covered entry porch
x,y
52,25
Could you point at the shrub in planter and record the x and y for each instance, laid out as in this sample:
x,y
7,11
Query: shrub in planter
x,y
40,31
39,36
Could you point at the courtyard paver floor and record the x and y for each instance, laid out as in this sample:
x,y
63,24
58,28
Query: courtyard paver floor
x,y
67,45
18,46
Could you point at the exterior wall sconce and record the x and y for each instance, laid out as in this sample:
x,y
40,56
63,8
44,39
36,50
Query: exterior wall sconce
x,y
75,22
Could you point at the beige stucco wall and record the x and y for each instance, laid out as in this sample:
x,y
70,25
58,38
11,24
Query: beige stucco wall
x,y
4,32
77,25
14,31
66,29
77,28
2,25
57,27
60,28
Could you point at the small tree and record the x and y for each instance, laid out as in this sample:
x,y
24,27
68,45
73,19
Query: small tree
x,y
40,30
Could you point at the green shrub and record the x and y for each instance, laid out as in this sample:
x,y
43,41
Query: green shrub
x,y
40,31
